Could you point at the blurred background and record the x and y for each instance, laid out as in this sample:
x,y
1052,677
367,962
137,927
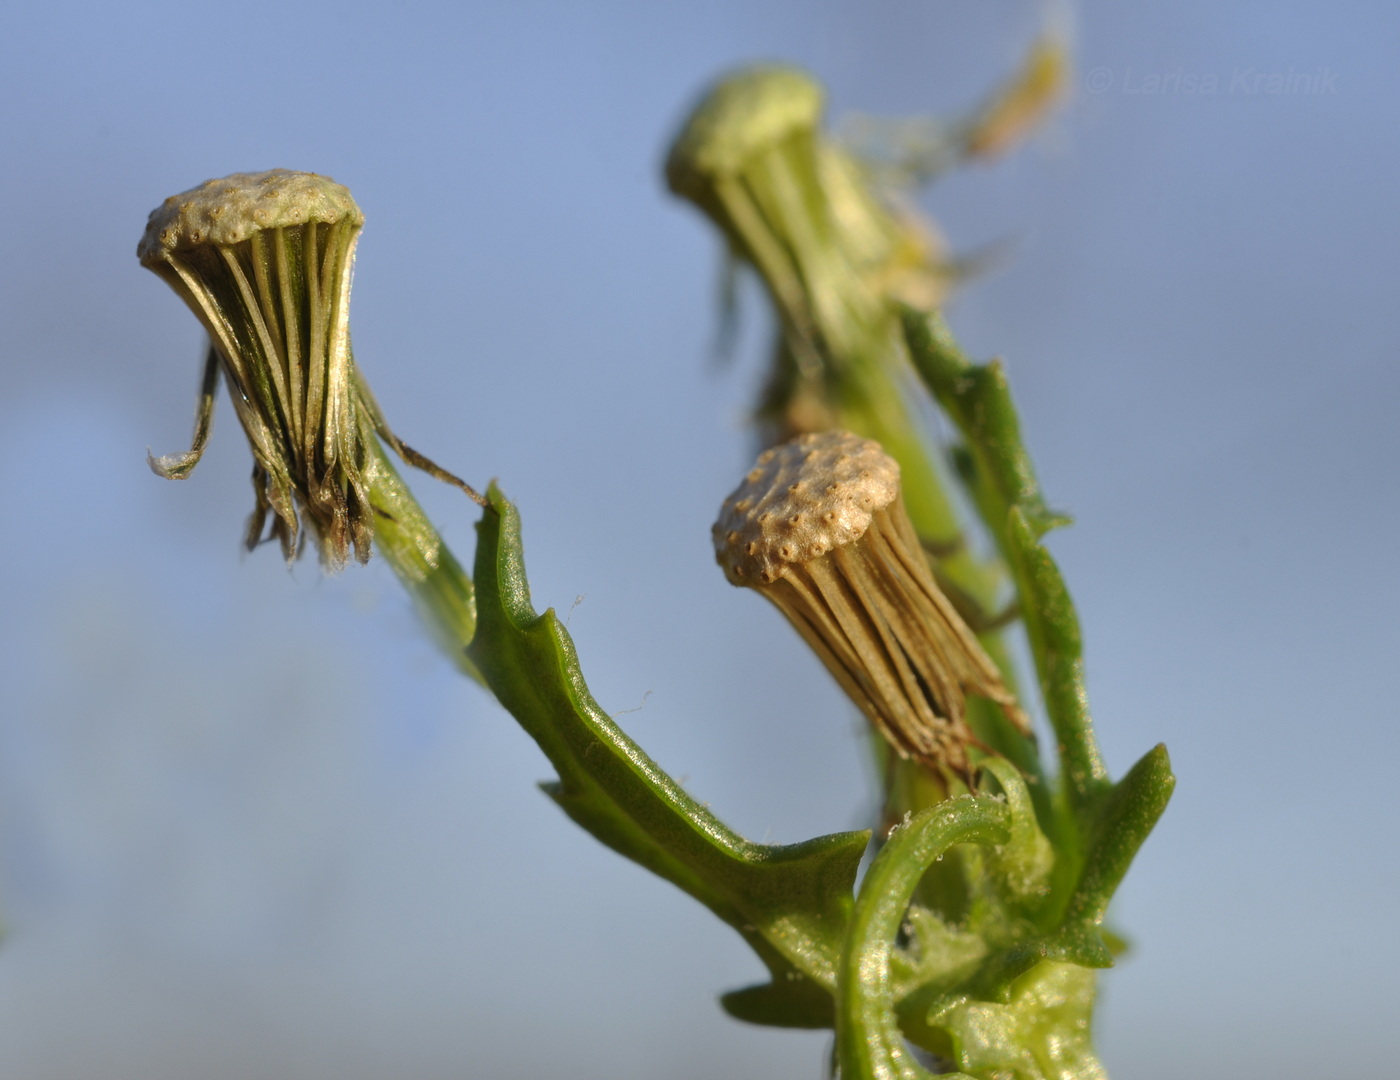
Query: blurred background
x,y
252,824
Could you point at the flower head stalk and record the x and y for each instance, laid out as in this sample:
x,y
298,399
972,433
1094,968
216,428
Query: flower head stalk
x,y
819,528
265,261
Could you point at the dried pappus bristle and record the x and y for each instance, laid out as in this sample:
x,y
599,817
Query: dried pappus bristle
x,y
819,527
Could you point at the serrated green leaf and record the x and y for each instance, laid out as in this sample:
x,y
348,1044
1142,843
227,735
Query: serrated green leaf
x,y
1123,821
1078,945
1001,479
1052,627
790,1000
791,902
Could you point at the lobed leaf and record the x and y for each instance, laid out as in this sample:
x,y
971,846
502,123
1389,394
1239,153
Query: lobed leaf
x,y
790,902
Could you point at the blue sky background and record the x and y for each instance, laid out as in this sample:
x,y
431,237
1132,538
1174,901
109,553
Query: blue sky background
x,y
251,824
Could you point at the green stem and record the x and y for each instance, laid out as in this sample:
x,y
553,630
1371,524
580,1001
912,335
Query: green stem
x,y
441,590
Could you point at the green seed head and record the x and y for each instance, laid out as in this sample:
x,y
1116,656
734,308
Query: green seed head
x,y
748,112
836,254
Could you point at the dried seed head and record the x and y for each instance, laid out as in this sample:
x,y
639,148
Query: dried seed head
x,y
819,528
801,500
264,260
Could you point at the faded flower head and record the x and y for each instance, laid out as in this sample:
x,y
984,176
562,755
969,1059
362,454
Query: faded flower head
x,y
265,260
829,226
818,527
834,254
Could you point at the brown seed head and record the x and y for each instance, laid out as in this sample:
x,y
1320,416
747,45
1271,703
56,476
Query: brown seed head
x,y
819,528
800,500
